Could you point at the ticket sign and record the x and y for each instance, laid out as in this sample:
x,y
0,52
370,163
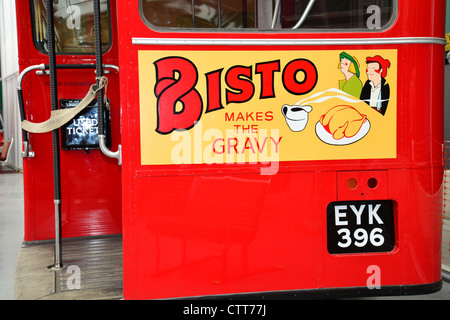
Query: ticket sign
x,y
81,133
206,107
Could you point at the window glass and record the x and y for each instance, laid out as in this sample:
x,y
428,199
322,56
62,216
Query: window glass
x,y
74,25
447,25
269,14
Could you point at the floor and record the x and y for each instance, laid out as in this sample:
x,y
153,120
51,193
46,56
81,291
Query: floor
x,y
11,229
92,270
97,260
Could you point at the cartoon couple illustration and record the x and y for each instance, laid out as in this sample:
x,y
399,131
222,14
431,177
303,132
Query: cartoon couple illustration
x,y
376,91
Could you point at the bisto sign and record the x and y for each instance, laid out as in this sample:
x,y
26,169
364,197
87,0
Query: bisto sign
x,y
226,107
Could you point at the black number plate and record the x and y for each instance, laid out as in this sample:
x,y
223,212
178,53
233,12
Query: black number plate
x,y
360,227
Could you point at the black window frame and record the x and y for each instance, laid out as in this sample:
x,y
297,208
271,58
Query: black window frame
x,y
391,22
43,51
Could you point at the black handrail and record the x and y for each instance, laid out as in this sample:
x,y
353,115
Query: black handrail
x,y
100,100
99,63
55,133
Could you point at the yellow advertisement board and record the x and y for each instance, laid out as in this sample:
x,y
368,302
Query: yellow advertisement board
x,y
206,107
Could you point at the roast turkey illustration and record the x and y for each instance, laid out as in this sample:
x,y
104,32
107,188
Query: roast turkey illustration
x,y
343,122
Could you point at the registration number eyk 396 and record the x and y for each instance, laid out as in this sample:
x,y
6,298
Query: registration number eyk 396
x,y
360,227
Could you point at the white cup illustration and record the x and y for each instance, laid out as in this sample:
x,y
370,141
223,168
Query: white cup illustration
x,y
296,116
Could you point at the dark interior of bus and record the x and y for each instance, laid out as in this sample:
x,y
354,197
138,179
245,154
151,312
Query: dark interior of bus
x,y
74,21
74,26
250,14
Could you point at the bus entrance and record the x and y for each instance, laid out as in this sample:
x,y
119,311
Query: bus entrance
x,y
269,148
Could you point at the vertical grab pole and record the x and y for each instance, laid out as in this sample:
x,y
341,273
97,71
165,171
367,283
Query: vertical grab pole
x,y
99,70
99,65
55,133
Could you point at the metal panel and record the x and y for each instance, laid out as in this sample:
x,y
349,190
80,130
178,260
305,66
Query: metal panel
x,y
183,224
362,185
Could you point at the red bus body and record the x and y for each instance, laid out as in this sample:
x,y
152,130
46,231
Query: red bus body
x,y
226,229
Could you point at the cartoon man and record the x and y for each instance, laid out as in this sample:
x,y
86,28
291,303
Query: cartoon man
x,y
376,91
349,67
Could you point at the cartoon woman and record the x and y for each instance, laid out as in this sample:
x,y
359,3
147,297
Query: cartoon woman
x,y
376,91
349,66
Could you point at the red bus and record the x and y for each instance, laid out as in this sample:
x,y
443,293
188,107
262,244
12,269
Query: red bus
x,y
242,148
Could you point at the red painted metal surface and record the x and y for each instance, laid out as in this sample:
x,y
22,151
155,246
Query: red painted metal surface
x,y
91,183
198,229
195,230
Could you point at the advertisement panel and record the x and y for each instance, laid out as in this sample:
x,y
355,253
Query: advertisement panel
x,y
204,107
